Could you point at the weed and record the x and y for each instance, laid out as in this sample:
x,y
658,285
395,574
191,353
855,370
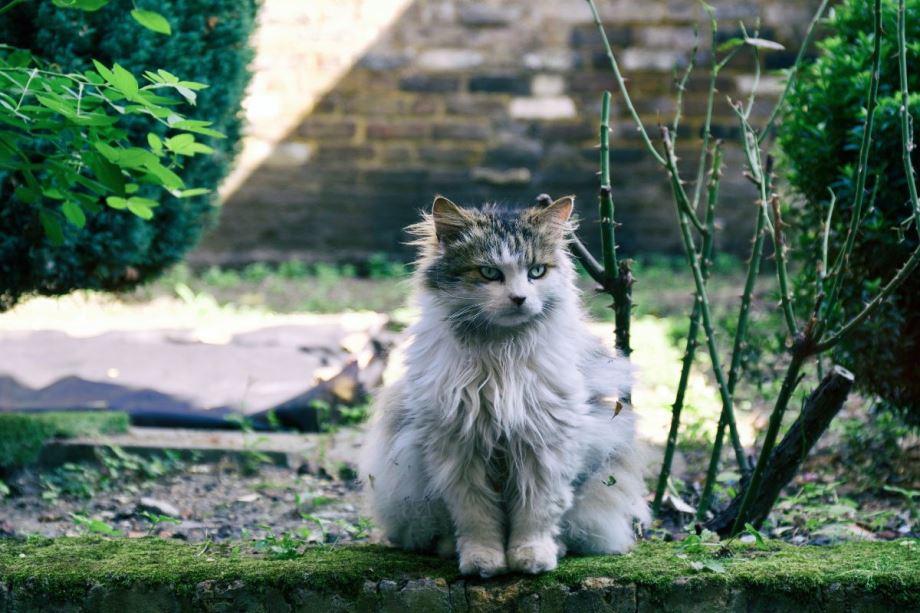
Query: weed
x,y
115,468
156,519
94,526
288,546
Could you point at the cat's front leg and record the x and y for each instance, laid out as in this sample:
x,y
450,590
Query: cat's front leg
x,y
544,495
477,515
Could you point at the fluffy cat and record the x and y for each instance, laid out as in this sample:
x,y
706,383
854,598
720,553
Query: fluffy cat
x,y
502,443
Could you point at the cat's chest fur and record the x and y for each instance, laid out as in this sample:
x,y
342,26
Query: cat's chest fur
x,y
527,387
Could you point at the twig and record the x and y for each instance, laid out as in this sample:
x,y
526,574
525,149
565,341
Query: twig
x,y
682,84
677,187
779,247
870,308
592,266
9,6
826,239
621,84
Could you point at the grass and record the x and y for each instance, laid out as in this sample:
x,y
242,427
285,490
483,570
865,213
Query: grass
x,y
23,435
67,567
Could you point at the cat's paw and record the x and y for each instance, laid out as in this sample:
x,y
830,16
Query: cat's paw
x,y
482,560
534,557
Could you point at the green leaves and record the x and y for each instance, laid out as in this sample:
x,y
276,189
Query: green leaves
x,y
83,5
64,146
152,21
184,144
142,207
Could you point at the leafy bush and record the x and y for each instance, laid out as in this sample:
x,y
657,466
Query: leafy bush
x,y
820,135
22,435
42,246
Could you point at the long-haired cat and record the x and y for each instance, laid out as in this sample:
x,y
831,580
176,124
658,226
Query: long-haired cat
x,y
502,443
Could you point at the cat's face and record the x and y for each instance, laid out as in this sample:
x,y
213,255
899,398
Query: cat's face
x,y
498,269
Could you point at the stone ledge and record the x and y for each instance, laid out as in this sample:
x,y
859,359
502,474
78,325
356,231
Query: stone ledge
x,y
90,574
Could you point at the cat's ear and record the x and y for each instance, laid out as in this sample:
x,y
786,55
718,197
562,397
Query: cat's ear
x,y
448,218
557,212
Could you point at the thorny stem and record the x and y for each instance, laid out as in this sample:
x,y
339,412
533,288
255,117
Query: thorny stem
x,y
681,85
793,73
735,367
621,84
707,122
703,300
706,259
592,266
870,308
825,240
608,239
790,382
779,247
9,5
680,194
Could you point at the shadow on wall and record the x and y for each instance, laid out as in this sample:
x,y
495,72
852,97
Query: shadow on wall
x,y
497,101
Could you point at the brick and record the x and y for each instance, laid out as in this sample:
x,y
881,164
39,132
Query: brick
x,y
397,130
476,104
514,151
287,155
502,176
343,153
570,131
503,84
558,107
547,85
558,60
446,60
661,60
425,83
480,14
397,154
394,177
669,37
587,37
328,128
449,154
383,61
461,131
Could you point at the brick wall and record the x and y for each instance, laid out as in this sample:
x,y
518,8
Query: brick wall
x,y
478,100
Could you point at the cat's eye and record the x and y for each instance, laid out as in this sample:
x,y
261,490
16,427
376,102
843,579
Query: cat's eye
x,y
490,273
536,271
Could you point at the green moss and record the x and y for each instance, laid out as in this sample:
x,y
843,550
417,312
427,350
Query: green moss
x,y
22,435
67,567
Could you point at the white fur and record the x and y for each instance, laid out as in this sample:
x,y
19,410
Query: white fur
x,y
500,450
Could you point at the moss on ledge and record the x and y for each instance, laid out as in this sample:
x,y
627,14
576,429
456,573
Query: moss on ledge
x,y
65,570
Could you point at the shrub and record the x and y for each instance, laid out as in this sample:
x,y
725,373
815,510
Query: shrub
x,y
820,135
115,250
22,435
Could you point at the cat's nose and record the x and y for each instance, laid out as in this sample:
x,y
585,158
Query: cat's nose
x,y
518,300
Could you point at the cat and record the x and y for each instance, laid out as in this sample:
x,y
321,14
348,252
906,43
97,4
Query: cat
x,y
503,443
